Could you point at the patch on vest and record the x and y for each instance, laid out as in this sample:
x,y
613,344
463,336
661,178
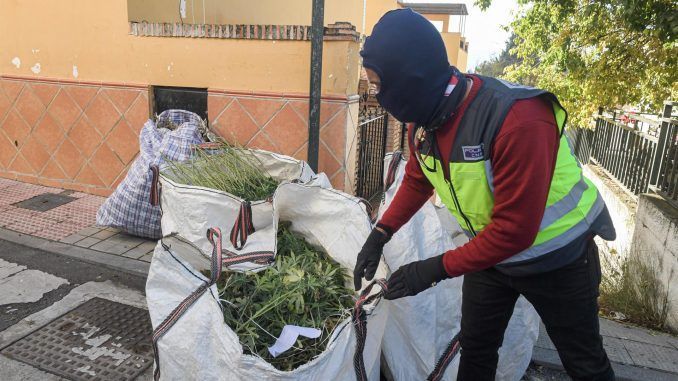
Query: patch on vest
x,y
473,152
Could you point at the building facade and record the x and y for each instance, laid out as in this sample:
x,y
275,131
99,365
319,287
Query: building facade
x,y
77,80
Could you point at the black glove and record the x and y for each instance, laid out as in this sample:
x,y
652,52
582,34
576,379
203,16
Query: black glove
x,y
415,277
368,258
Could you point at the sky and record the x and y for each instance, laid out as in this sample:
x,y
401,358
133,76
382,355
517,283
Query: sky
x,y
484,29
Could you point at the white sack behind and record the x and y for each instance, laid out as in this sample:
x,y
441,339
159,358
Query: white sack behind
x,y
190,210
419,328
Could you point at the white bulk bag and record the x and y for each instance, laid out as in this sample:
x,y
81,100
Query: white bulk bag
x,y
420,327
197,345
249,227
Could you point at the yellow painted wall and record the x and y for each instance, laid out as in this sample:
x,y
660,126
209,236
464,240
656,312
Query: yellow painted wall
x,y
267,12
455,55
438,17
92,36
462,59
374,9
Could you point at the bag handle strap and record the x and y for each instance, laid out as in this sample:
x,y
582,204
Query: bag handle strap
x,y
359,319
392,169
259,257
448,355
243,226
154,198
214,236
210,145
369,209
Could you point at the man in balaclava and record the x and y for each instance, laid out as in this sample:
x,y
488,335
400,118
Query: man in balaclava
x,y
495,154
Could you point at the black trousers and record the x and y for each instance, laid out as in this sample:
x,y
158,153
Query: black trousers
x,y
567,302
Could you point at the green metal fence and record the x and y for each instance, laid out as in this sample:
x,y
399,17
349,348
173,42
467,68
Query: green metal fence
x,y
639,159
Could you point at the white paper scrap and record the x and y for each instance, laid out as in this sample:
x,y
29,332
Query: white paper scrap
x,y
289,336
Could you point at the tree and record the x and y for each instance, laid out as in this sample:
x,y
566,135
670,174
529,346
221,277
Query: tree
x,y
597,53
495,66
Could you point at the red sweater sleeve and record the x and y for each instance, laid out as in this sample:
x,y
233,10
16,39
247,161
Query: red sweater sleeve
x,y
412,194
523,160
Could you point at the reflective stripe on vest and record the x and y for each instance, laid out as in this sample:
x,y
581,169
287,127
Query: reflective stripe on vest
x,y
564,205
560,241
557,210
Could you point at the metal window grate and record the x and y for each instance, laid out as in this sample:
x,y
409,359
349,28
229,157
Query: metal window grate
x,y
182,98
372,148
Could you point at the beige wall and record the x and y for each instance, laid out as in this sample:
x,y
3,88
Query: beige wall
x,y
457,56
462,59
91,36
445,19
374,9
267,12
655,243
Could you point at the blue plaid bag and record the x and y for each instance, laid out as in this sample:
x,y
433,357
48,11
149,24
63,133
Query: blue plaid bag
x,y
128,208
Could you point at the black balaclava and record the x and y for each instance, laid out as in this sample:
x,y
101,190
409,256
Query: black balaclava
x,y
408,54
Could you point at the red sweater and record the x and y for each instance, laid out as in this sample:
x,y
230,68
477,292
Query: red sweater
x,y
523,159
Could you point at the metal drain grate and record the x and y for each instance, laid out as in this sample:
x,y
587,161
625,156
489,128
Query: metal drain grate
x,y
45,202
99,340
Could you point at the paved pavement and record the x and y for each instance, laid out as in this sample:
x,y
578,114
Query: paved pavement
x,y
39,287
541,373
636,353
31,209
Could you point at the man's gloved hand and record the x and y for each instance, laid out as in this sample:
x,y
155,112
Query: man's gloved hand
x,y
415,277
368,258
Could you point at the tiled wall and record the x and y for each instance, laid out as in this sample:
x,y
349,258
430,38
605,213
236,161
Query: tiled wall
x,y
75,136
84,136
280,124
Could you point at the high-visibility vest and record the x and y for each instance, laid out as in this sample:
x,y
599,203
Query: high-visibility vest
x,y
466,187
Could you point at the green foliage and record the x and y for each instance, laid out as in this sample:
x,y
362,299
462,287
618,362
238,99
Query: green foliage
x,y
495,66
227,168
305,287
597,53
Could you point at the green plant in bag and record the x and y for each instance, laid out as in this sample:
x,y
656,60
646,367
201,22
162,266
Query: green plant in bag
x,y
224,167
304,287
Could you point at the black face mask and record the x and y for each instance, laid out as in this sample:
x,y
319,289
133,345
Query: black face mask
x,y
408,54
449,103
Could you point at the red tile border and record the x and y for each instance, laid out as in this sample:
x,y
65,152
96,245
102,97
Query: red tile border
x,y
64,81
274,95
290,95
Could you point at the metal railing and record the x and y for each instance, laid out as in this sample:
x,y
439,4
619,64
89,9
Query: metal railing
x,y
625,153
637,160
371,151
581,140
665,171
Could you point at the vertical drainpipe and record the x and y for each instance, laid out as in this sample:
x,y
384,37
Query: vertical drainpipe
x,y
317,31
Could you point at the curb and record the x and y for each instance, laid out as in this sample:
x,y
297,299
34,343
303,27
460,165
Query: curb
x,y
549,358
111,261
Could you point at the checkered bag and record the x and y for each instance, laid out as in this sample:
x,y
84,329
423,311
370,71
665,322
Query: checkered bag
x,y
169,137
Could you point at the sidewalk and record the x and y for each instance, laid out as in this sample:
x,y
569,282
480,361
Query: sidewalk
x,y
636,353
64,222
42,213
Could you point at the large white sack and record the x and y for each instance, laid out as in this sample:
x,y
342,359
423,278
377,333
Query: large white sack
x,y
420,327
190,210
200,346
